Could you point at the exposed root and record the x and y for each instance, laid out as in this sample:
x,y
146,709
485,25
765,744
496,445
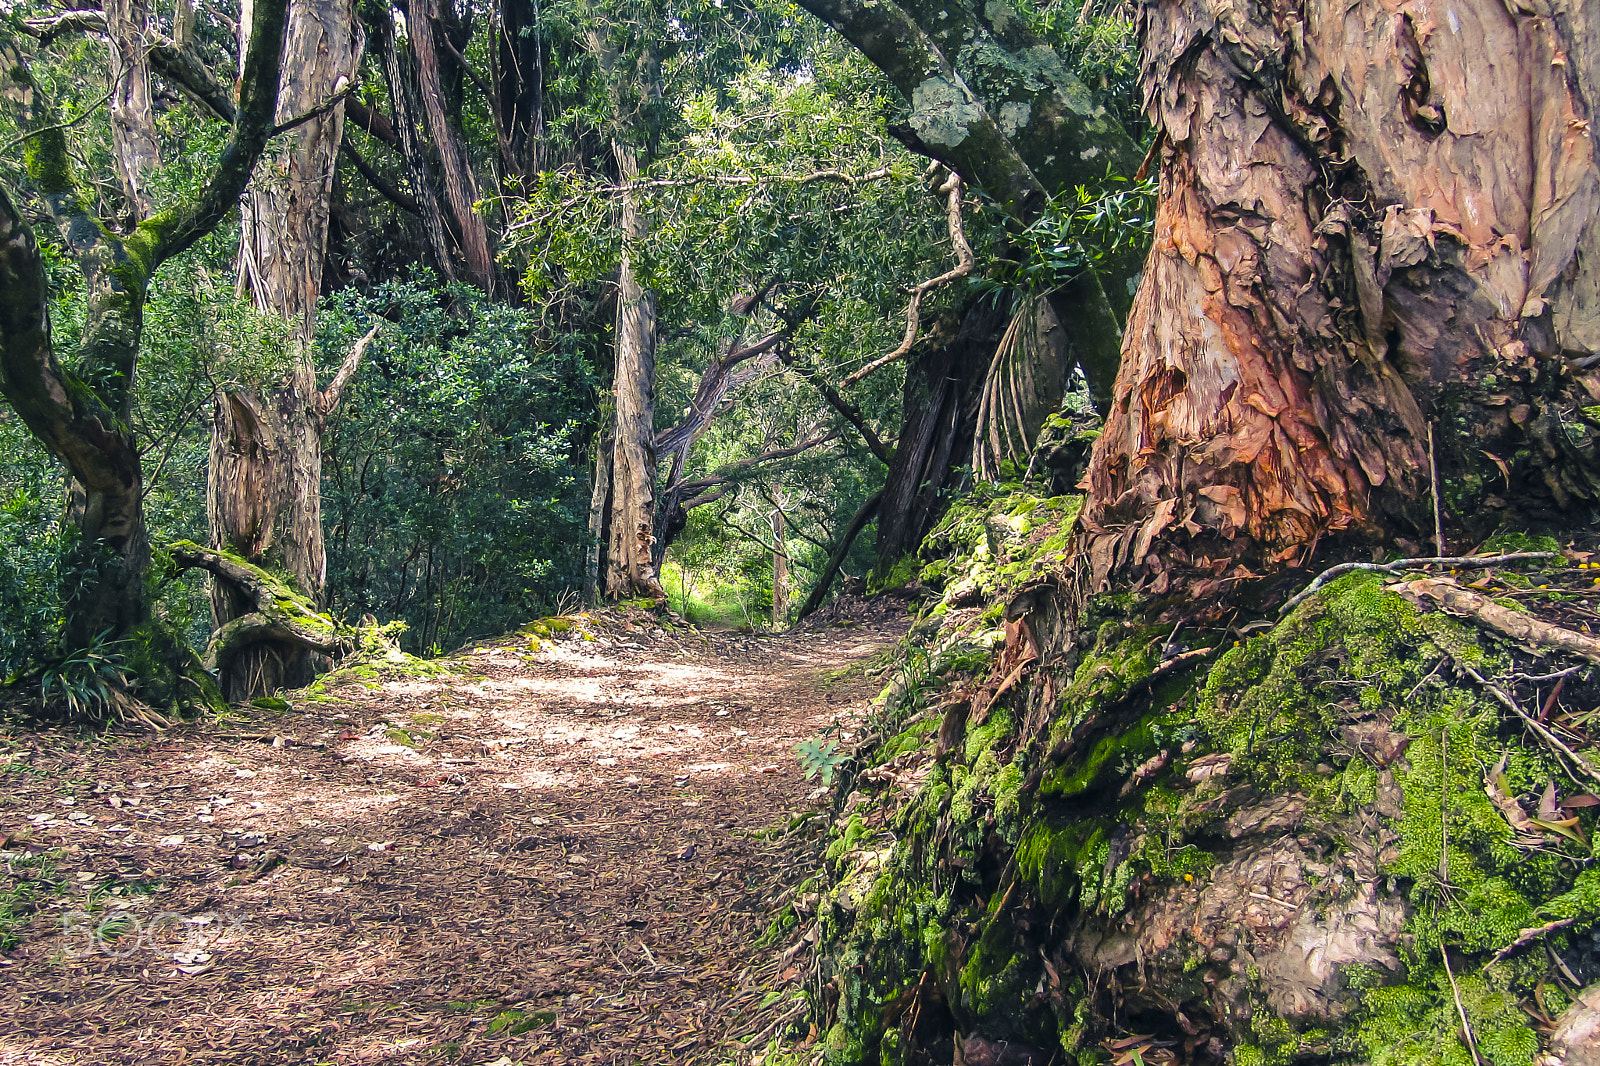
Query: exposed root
x,y
282,614
1476,607
1407,564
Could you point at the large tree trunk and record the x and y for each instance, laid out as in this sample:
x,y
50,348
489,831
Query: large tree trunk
x,y
264,491
1365,227
461,188
399,75
942,388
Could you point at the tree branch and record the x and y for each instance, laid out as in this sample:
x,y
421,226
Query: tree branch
x,y
328,399
731,471
281,613
848,410
819,591
170,59
965,261
174,230
387,189
374,122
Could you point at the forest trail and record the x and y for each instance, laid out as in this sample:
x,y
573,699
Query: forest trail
x,y
538,855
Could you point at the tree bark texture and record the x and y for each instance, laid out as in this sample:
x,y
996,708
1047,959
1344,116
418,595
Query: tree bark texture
x,y
264,485
942,388
83,415
460,186
133,126
1370,218
520,85
1023,387
406,129
629,568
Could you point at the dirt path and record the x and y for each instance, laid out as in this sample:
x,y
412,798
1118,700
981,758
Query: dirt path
x,y
545,856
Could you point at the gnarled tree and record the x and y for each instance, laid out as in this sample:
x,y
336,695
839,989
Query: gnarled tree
x,y
82,414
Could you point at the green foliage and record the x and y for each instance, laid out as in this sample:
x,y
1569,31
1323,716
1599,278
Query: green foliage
x,y
1079,230
456,501
819,758
29,876
84,683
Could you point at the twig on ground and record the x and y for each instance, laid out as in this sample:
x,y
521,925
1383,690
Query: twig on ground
x,y
1528,936
1465,603
1433,481
1532,723
1455,990
1408,564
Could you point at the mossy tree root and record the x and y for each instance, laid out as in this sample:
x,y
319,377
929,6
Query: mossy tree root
x,y
281,614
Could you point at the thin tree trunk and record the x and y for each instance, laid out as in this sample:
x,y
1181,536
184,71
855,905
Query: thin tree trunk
x,y
599,499
629,568
133,126
264,489
780,572
863,515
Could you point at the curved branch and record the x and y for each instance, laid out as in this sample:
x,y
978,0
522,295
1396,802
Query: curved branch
x,y
328,399
732,471
965,261
176,229
281,613
387,189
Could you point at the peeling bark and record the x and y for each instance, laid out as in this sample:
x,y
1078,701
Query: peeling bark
x,y
461,188
264,485
1367,221
133,126
630,568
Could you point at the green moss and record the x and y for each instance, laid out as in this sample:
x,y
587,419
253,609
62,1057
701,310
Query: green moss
x,y
902,573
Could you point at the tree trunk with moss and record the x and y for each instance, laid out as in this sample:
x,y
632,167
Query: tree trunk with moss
x,y
264,488
1159,820
82,415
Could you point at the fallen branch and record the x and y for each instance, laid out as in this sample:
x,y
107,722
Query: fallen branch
x,y
1528,936
1407,564
1462,602
965,261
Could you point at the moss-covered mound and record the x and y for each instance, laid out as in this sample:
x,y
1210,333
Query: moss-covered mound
x,y
1319,841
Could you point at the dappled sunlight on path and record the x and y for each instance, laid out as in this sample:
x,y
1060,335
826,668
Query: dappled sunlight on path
x,y
554,853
